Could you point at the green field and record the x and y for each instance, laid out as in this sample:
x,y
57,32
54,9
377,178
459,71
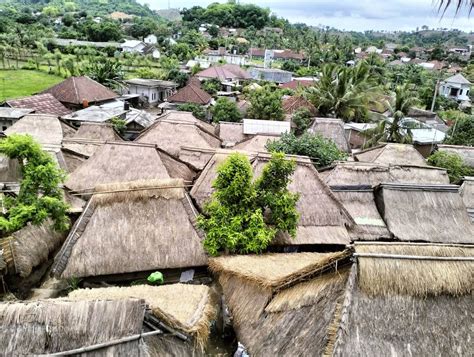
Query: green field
x,y
21,83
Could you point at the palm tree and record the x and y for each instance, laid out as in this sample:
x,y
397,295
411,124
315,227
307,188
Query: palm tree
x,y
445,4
393,130
343,92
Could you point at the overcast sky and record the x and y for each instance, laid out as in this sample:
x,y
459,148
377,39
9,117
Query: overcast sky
x,y
357,15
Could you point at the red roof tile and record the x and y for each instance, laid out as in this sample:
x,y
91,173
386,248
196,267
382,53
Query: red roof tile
x,y
291,104
41,103
295,84
190,94
225,72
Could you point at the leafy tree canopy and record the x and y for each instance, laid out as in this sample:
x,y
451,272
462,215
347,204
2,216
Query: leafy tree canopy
x,y
266,104
225,110
197,110
40,196
453,164
244,215
322,151
462,132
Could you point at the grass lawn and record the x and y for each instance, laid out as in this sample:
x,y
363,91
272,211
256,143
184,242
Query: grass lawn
x,y
21,83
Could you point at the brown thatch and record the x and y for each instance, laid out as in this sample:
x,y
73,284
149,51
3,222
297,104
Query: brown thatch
x,y
68,130
274,319
90,137
230,132
433,213
256,143
44,128
392,154
362,173
360,203
72,160
125,161
331,129
466,152
30,247
199,157
467,194
50,326
412,311
133,227
187,308
323,219
172,135
187,117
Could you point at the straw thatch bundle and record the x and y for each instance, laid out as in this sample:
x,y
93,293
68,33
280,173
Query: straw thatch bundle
x,y
50,326
410,323
332,129
420,278
283,304
392,154
256,143
133,227
360,203
323,219
186,308
123,162
432,213
172,135
30,247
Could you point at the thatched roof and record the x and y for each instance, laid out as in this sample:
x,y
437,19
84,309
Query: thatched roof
x,y
432,213
30,247
89,137
198,156
44,128
323,219
41,104
466,152
49,326
467,194
187,117
283,304
186,308
68,130
256,143
292,104
331,129
148,225
407,307
172,135
230,132
392,154
360,203
126,161
362,173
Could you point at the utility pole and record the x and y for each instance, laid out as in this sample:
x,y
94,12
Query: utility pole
x,y
434,96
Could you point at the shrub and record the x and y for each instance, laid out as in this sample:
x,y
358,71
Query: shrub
x,y
265,103
462,133
302,120
225,110
197,110
322,151
453,164
243,215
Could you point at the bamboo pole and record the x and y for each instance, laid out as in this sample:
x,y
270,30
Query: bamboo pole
x,y
105,344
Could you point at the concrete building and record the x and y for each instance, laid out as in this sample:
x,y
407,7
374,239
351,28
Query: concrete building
x,y
153,90
456,87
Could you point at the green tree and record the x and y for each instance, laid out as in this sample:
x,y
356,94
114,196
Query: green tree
x,y
393,129
211,86
119,125
197,110
302,119
322,152
462,132
265,103
225,110
234,219
106,71
453,164
40,194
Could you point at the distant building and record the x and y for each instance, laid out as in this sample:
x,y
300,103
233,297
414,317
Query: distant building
x,y
153,90
9,116
133,46
151,39
229,73
271,74
456,87
221,55
41,104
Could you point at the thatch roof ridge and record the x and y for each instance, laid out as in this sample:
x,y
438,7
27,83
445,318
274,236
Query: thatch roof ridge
x,y
276,270
392,148
144,216
44,128
180,116
187,308
56,325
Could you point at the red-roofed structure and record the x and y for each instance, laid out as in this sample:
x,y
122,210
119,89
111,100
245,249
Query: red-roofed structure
x,y
41,104
191,93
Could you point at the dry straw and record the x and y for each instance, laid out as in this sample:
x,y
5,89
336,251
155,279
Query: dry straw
x,y
418,278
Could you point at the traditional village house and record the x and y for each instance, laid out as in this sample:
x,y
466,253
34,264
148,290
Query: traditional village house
x,y
467,194
59,325
456,87
256,143
41,104
153,90
332,129
231,133
153,228
184,312
8,116
80,92
390,153
326,222
123,162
